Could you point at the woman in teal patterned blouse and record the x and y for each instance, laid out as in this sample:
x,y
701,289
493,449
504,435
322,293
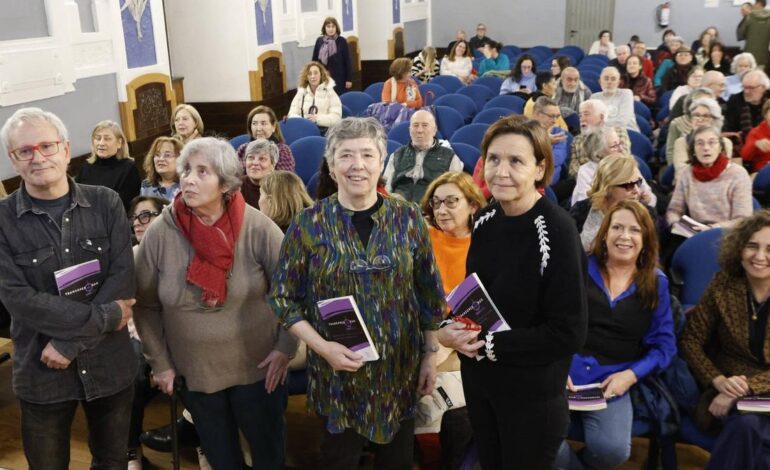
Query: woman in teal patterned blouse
x,y
376,249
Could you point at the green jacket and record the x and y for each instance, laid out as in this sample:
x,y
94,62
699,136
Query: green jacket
x,y
755,29
437,161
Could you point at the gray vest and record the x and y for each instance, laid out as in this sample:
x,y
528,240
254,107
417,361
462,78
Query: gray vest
x,y
437,161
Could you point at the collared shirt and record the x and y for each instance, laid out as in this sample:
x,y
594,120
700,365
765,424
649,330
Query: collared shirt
x,y
93,226
164,192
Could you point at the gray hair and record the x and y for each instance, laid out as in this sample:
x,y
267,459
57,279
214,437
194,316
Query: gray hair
x,y
763,80
259,146
543,102
743,56
700,92
597,105
31,115
354,128
220,155
714,109
622,47
595,145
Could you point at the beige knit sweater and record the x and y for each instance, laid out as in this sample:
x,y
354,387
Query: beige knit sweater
x,y
212,348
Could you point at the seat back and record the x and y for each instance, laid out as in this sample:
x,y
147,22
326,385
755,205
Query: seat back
x,y
514,103
490,115
493,83
449,83
696,262
640,145
357,101
308,153
464,105
374,90
239,140
479,94
449,120
296,128
435,89
468,154
472,134
400,133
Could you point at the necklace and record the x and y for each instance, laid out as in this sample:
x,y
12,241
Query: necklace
x,y
755,308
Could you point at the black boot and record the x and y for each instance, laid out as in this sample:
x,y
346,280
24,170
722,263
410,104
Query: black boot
x,y
159,439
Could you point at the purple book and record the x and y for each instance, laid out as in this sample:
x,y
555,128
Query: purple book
x,y
755,404
471,300
587,398
79,282
346,326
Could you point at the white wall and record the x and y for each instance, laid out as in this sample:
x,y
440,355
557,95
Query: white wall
x,y
375,22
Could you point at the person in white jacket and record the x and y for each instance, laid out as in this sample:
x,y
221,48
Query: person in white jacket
x,y
458,62
619,101
316,99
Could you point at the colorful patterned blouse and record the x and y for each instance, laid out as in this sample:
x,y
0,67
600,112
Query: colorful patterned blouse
x,y
398,290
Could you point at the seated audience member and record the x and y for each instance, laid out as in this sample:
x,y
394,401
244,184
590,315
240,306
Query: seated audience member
x,y
619,101
316,99
400,87
449,205
426,65
711,190
458,63
481,39
694,80
663,46
593,115
666,60
558,64
160,167
744,110
756,149
186,123
640,50
546,87
413,166
109,164
717,59
711,80
261,123
678,73
742,63
701,48
598,144
638,83
622,53
261,157
712,31
571,91
702,112
521,80
725,343
617,178
682,125
282,196
459,36
494,63
630,332
603,45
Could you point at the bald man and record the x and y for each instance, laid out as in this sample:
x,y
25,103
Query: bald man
x,y
714,81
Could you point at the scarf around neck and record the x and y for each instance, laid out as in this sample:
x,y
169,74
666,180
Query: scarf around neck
x,y
703,174
213,245
328,48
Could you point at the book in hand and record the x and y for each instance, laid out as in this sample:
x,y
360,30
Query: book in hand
x,y
79,282
471,300
755,404
346,326
588,397
687,227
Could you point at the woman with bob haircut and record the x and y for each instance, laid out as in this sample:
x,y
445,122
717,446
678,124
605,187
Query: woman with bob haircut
x,y
186,123
458,63
206,318
261,156
526,251
376,249
109,164
400,87
726,344
282,196
316,99
160,169
332,51
630,332
261,123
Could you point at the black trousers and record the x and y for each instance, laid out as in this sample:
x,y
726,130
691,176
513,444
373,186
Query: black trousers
x,y
343,451
512,429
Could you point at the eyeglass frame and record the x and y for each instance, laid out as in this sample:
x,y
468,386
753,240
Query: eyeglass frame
x,y
379,263
35,148
446,202
144,214
629,186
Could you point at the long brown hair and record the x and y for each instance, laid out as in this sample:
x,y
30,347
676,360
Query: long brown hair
x,y
645,277
452,54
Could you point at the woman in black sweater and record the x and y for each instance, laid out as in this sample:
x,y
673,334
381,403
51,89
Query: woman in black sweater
x,y
109,164
526,251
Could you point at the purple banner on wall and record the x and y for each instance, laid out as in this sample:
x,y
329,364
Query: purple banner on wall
x,y
264,13
138,33
396,11
347,15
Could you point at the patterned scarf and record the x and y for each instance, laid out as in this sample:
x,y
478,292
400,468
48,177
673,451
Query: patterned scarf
x,y
328,48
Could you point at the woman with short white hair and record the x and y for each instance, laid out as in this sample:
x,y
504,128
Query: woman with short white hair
x,y
261,157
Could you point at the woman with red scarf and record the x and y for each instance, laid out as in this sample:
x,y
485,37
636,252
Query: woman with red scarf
x,y
203,271
331,49
712,190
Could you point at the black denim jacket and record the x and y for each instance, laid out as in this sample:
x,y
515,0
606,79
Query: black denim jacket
x,y
94,226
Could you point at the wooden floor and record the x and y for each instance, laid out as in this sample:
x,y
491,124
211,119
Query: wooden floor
x,y
302,446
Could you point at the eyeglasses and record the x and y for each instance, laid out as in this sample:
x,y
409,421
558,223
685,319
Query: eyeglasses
x,y
164,156
631,185
752,87
706,143
46,149
554,116
143,217
380,263
450,202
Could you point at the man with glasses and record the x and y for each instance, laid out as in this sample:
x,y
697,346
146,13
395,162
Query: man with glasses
x,y
481,39
547,113
744,110
70,341
412,167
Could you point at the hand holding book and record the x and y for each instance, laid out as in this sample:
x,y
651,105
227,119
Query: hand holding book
x,y
457,336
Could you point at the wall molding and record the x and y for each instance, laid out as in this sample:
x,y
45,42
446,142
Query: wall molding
x,y
256,77
128,108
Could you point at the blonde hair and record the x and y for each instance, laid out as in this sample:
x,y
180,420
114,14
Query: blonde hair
x,y
117,132
287,194
195,115
612,170
149,159
429,57
2,190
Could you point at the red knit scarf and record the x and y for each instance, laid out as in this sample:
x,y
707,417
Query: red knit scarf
x,y
213,246
701,173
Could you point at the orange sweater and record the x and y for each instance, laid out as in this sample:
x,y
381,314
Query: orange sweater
x,y
450,253
401,93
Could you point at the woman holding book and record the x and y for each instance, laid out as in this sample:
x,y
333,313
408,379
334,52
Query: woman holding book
x,y
376,249
526,251
202,273
732,314
630,332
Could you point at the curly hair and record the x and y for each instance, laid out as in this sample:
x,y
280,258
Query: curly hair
x,y
516,70
466,185
735,240
303,81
